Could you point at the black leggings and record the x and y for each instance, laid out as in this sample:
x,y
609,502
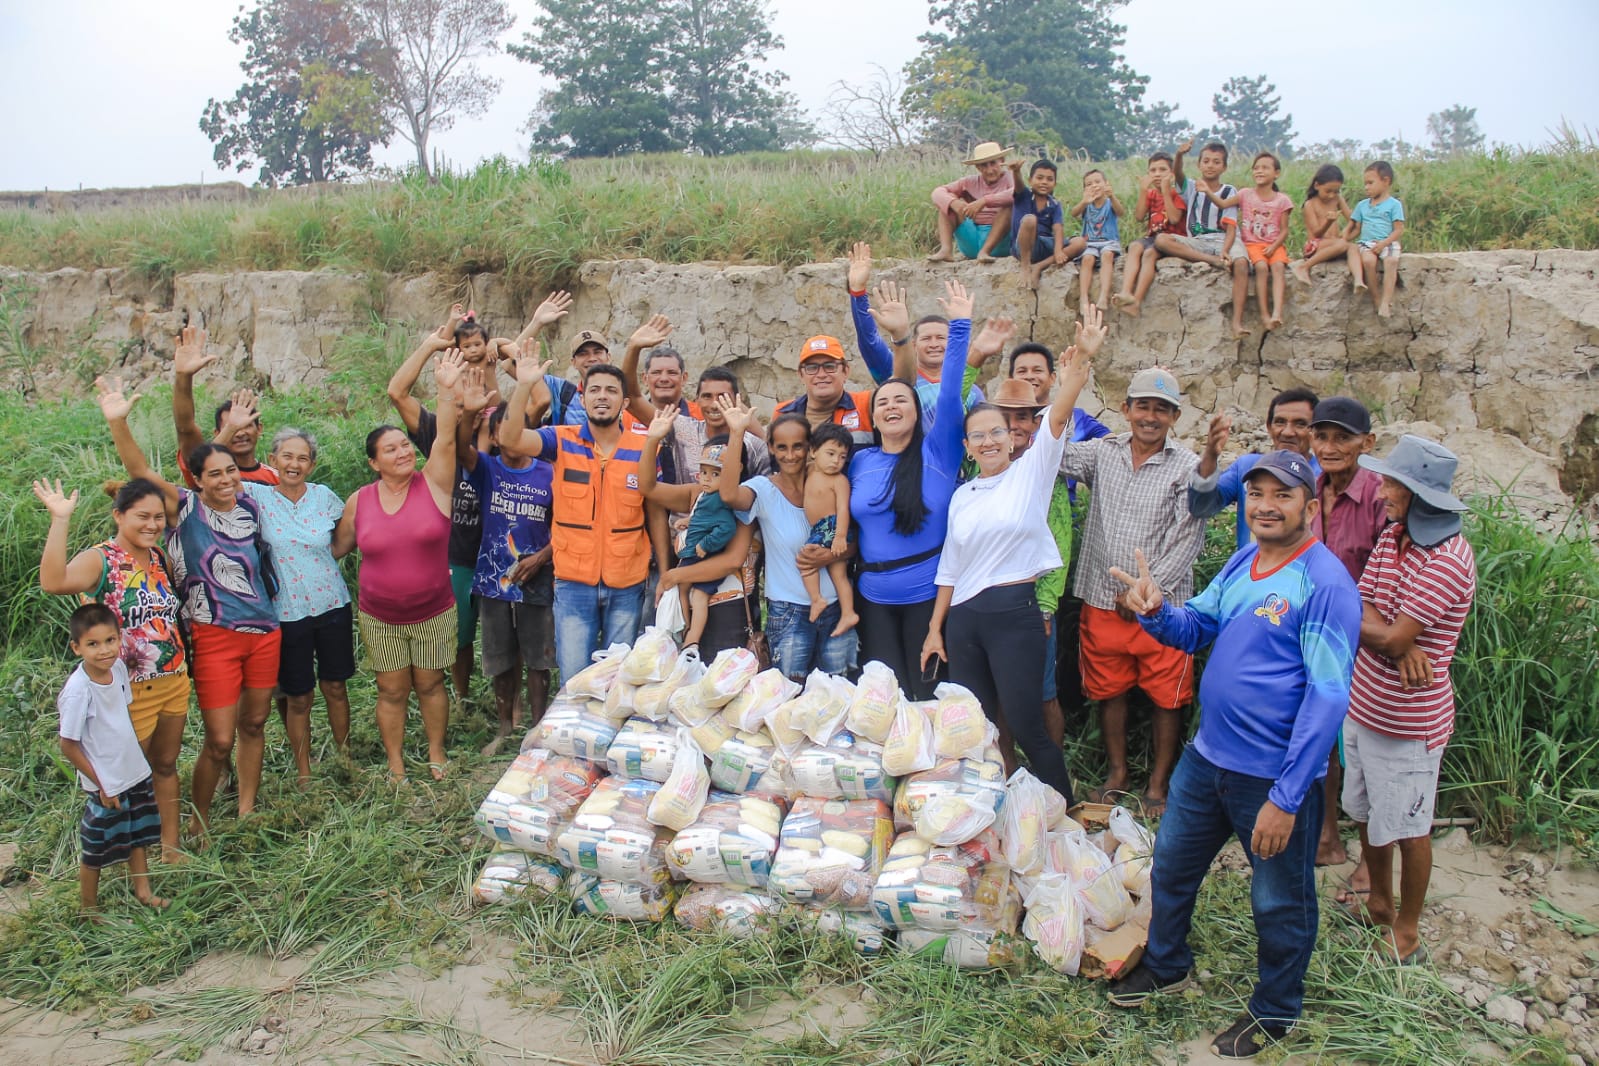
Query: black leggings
x,y
995,641
893,634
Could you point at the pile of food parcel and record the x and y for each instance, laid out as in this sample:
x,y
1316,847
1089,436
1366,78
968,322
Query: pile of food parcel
x,y
731,798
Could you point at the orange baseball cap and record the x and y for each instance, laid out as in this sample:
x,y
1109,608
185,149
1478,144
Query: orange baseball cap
x,y
822,347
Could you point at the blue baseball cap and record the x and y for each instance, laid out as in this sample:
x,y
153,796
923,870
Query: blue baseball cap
x,y
1290,468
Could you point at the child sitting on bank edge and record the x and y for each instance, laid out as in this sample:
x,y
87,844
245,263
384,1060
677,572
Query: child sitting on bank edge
x,y
1374,230
974,212
1322,210
1160,208
1212,232
827,509
120,818
1037,221
1263,224
1100,242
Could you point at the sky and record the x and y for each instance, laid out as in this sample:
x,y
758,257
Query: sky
x,y
115,99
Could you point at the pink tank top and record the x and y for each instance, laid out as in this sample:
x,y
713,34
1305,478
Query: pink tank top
x,y
405,567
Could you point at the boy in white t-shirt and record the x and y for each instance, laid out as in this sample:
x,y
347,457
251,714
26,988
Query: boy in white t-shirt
x,y
120,819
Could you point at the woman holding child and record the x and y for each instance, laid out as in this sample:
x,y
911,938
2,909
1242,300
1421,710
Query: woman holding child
x,y
129,574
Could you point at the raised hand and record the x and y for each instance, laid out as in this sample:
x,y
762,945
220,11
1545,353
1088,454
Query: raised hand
x,y
190,356
456,316
860,266
996,333
114,404
55,501
1090,330
447,372
956,301
653,331
1184,148
528,368
1142,596
474,396
665,418
1221,427
890,312
241,414
739,415
552,310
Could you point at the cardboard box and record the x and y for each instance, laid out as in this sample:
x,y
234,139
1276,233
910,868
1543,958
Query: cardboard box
x,y
1114,954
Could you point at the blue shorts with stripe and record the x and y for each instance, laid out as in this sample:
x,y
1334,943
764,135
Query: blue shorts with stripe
x,y
108,835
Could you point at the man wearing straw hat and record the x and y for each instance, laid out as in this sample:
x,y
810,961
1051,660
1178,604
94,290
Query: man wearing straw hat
x,y
974,211
1416,591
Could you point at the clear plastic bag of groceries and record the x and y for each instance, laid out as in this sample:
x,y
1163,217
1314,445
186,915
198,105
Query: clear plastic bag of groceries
x,y
1024,822
728,675
909,747
594,681
732,842
1105,902
621,901
846,767
960,728
1054,923
954,801
642,748
650,659
732,909
830,853
653,701
510,871
536,797
967,886
576,728
877,695
611,836
678,801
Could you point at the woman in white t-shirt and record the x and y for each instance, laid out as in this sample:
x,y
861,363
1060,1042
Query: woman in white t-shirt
x,y
998,543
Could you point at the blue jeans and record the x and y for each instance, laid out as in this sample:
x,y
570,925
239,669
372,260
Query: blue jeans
x,y
800,645
1205,806
589,617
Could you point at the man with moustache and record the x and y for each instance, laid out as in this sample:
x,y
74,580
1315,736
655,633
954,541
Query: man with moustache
x,y
1288,419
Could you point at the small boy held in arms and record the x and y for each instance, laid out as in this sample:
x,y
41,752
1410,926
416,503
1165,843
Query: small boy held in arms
x,y
1373,234
827,509
120,819
974,212
1160,208
711,526
1037,221
1100,242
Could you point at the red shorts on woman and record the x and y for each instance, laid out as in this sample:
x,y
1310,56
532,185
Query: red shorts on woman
x,y
226,662
1118,656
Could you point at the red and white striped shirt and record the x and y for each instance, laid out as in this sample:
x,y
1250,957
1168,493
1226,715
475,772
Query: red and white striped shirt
x,y
1434,586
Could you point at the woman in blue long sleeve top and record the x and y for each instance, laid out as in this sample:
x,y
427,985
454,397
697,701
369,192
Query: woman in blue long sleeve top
x,y
899,500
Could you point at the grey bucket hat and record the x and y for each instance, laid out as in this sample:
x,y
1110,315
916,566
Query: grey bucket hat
x,y
1427,469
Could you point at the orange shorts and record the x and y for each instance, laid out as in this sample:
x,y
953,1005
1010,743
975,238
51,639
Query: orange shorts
x,y
155,697
1257,254
226,663
1119,656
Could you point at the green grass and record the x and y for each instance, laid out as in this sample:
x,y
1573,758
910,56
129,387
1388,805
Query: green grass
x,y
537,223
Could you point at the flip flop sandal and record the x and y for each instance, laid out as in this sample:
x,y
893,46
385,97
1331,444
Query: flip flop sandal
x,y
1353,906
438,770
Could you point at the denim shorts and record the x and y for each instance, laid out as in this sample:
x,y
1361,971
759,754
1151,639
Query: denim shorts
x,y
800,645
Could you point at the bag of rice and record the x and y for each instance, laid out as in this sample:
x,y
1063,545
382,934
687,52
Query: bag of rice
x,y
732,842
510,872
871,712
729,909
618,704
730,672
612,838
1024,822
830,853
622,901
819,712
682,794
642,748
960,728
594,681
535,799
742,760
766,691
1099,886
651,659
684,707
909,747
652,700
574,729
1054,923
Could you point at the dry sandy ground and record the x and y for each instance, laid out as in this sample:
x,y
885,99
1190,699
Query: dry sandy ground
x,y
1479,923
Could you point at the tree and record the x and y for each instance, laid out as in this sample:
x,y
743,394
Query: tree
x,y
310,108
869,117
1248,120
1158,128
427,70
723,101
956,103
1454,131
609,63
1336,148
1063,57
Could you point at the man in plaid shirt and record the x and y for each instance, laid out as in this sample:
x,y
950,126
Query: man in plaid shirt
x,y
1140,501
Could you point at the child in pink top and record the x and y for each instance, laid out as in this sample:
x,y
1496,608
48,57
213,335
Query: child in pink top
x,y
1263,213
974,211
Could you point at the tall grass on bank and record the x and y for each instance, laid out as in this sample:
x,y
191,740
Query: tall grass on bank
x,y
537,223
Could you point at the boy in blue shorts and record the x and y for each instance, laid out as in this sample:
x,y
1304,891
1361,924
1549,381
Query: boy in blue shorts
x,y
1037,221
1373,234
120,819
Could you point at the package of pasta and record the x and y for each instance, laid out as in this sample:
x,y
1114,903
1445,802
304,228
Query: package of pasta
x,y
967,949
732,909
678,801
621,901
909,747
574,729
728,675
830,853
960,728
816,714
846,767
1105,902
536,798
510,871
1054,923
1024,822
642,748
653,701
871,712
594,681
953,802
611,836
742,760
767,690
733,841
651,658
967,886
